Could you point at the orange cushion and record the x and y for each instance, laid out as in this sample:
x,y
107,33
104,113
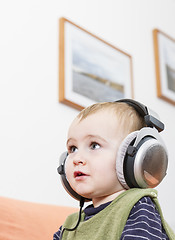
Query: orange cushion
x,y
21,220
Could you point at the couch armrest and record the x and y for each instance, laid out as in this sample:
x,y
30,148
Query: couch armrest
x,y
21,220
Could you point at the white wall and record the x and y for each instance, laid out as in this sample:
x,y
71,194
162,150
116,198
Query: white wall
x,y
33,125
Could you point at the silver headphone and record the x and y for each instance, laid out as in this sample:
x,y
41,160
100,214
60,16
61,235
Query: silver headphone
x,y
142,158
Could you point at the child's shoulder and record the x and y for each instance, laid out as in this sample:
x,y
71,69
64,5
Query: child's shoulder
x,y
145,203
144,221
146,207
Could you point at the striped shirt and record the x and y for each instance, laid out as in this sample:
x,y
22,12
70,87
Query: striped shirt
x,y
144,222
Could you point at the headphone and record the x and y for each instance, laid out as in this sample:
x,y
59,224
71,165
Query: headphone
x,y
142,158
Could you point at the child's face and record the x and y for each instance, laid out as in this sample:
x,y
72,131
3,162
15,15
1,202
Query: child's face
x,y
92,146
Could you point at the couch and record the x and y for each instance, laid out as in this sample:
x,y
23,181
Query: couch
x,y
22,220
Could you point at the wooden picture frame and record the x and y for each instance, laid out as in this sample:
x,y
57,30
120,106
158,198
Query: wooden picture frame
x,y
90,69
164,51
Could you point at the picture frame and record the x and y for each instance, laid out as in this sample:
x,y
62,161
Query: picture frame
x,y
90,69
164,51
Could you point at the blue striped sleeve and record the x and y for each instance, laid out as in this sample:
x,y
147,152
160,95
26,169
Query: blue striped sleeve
x,y
56,235
144,222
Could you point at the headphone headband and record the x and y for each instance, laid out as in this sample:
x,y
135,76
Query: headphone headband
x,y
139,107
149,119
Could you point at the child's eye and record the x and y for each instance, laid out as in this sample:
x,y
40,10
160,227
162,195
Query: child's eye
x,y
72,149
94,146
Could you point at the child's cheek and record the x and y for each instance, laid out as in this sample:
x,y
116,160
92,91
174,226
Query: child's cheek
x,y
68,168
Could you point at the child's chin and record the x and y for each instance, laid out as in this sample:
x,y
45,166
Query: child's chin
x,y
83,194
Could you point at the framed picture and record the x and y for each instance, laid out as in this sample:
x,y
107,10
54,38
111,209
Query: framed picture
x,y
90,69
164,47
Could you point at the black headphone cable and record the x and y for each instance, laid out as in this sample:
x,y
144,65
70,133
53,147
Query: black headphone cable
x,y
79,218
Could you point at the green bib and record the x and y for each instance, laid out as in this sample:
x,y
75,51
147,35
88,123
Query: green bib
x,y
109,223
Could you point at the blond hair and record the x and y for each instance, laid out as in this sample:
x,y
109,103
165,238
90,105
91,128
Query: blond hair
x,y
128,117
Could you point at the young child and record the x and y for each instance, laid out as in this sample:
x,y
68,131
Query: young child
x,y
119,210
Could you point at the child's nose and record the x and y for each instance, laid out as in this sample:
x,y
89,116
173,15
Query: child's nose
x,y
79,161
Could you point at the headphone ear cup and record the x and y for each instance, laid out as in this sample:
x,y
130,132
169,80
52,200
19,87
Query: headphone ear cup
x,y
150,161
142,159
122,151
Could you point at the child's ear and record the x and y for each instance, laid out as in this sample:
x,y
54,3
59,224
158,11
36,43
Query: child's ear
x,y
142,159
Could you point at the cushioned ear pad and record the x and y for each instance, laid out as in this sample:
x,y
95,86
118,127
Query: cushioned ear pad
x,y
121,156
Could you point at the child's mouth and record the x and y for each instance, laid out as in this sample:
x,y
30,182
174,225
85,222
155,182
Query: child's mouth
x,y
79,175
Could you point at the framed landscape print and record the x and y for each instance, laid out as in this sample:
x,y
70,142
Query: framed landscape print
x,y
90,69
164,48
